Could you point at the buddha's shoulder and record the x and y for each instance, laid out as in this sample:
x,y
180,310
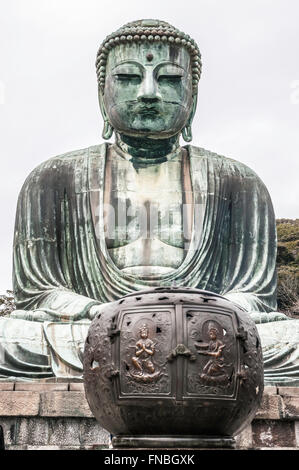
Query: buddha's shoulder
x,y
73,158
221,163
65,165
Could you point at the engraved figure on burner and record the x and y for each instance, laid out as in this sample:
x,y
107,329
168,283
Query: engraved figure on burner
x,y
213,371
145,349
144,370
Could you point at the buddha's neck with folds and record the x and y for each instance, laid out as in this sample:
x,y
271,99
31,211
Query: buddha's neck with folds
x,y
144,151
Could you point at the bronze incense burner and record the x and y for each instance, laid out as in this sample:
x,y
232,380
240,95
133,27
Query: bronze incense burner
x,y
173,367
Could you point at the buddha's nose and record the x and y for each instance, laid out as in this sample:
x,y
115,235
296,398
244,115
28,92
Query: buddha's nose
x,y
149,90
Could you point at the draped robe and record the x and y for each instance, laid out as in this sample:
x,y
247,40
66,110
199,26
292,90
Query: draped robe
x,y
62,266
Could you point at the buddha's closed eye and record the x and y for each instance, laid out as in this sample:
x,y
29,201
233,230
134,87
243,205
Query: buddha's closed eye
x,y
126,77
169,78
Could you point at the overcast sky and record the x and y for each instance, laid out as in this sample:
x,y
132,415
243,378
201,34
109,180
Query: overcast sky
x,y
248,99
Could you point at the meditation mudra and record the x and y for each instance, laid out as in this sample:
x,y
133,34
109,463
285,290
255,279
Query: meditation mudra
x,y
93,225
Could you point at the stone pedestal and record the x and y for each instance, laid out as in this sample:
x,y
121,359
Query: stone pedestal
x,y
37,415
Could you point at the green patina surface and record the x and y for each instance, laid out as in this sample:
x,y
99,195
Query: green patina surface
x,y
76,248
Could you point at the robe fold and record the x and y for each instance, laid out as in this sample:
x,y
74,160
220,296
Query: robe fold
x,y
62,265
61,262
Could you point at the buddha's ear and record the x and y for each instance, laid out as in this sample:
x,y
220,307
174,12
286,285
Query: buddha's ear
x,y
108,129
187,130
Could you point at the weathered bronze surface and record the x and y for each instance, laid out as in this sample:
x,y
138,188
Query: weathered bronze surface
x,y
95,224
179,364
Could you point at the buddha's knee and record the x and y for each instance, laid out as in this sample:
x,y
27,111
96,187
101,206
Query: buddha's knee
x,y
267,317
31,315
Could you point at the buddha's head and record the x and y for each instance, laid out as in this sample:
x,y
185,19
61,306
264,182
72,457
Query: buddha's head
x,y
148,75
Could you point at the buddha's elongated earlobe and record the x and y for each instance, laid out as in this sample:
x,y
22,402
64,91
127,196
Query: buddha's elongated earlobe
x,y
108,129
187,130
187,134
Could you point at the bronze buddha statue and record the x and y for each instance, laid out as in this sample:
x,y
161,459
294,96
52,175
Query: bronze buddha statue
x,y
95,224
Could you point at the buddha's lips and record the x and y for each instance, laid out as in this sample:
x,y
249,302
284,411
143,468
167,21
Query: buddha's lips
x,y
153,109
148,110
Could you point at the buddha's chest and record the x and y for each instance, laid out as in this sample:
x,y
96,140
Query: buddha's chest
x,y
144,216
144,211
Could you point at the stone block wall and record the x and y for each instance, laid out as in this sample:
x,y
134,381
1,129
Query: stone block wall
x,y
276,424
57,416
48,416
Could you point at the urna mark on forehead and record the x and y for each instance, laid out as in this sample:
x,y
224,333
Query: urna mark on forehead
x,y
148,55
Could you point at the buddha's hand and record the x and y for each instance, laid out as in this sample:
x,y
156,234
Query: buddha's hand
x,y
265,317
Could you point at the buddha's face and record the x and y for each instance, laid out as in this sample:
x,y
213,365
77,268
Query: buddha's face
x,y
148,89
